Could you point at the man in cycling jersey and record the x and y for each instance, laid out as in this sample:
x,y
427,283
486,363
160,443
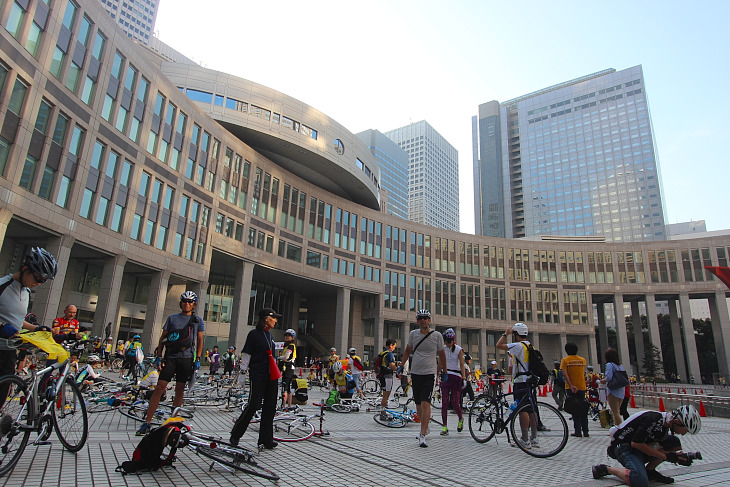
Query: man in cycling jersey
x,y
647,439
385,374
286,365
66,323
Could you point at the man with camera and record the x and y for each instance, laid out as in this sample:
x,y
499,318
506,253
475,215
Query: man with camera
x,y
647,439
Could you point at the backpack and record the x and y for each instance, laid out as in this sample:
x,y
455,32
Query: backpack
x,y
334,398
381,367
559,379
357,364
536,365
181,340
150,453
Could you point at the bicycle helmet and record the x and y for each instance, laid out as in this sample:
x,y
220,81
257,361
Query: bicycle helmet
x,y
520,329
93,358
189,295
590,368
41,262
423,313
119,342
136,337
333,349
337,367
352,350
556,364
291,333
31,318
449,335
467,357
689,417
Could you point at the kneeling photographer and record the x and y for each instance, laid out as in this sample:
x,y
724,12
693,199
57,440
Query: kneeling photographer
x,y
647,439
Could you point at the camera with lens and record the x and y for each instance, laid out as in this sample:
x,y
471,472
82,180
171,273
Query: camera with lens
x,y
693,455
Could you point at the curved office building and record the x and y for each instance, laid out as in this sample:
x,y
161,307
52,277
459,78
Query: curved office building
x,y
147,177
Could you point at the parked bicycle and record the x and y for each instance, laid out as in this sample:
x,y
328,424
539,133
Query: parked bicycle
x,y
487,418
49,400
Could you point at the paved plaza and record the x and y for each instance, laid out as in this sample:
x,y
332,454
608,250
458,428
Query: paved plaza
x,y
358,452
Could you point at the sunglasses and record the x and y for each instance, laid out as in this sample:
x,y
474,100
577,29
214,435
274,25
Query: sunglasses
x,y
38,279
190,301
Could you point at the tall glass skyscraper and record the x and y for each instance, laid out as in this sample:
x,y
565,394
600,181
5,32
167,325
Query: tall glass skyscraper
x,y
136,17
393,170
574,159
433,186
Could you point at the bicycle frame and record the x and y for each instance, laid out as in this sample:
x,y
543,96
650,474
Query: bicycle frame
x,y
42,419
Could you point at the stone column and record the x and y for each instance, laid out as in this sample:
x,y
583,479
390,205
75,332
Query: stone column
x,y
623,344
342,320
483,349
653,322
47,297
107,303
155,315
379,341
602,330
535,340
564,341
592,350
241,304
677,339
720,331
638,336
689,338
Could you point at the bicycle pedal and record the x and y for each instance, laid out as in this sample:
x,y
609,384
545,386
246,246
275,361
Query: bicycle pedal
x,y
40,442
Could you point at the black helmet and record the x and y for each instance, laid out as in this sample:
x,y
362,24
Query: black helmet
x,y
41,262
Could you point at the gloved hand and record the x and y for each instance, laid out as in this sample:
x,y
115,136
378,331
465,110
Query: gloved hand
x,y
7,330
399,371
42,328
444,377
680,459
158,361
196,366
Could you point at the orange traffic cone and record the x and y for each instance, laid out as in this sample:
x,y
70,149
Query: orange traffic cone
x,y
551,388
703,414
684,391
633,402
300,372
661,406
510,389
701,391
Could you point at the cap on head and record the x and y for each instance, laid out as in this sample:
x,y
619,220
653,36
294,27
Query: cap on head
x,y
266,312
520,329
494,362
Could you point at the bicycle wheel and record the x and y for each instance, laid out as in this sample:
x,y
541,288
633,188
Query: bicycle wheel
x,y
340,408
371,387
552,434
436,398
292,429
69,416
116,365
14,412
389,420
235,458
402,396
482,416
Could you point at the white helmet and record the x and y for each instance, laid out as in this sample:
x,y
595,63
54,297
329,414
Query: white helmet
x,y
520,329
352,350
337,367
93,358
689,417
291,333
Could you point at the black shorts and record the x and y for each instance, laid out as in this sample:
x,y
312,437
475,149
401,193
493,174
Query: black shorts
x,y
286,382
521,389
179,368
422,386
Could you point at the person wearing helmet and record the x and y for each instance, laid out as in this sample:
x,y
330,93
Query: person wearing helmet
x,y
131,359
558,382
342,380
573,367
356,368
451,385
333,358
182,343
647,439
520,365
427,348
229,361
286,365
87,375
258,360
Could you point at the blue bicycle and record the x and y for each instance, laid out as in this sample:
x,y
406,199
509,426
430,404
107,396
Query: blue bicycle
x,y
395,419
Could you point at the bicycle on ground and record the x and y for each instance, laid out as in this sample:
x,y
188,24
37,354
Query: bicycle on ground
x,y
487,418
299,427
393,418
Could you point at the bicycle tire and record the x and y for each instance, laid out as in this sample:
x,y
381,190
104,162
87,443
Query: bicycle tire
x,y
236,459
370,387
340,408
69,416
116,365
14,442
552,440
290,430
482,416
403,397
390,422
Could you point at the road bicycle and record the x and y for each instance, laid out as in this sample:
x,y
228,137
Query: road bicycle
x,y
370,387
137,411
48,401
487,418
298,427
393,418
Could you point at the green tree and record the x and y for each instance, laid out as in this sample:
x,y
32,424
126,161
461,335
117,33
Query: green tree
x,y
652,360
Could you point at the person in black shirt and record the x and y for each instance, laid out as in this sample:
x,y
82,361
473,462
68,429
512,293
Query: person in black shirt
x,y
647,439
258,348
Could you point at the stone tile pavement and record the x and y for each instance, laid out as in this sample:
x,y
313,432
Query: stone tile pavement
x,y
357,452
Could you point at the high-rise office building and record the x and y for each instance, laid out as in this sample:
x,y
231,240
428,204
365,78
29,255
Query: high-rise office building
x,y
135,17
393,170
574,159
433,186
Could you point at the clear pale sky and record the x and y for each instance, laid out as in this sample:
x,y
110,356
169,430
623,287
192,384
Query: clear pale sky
x,y
383,64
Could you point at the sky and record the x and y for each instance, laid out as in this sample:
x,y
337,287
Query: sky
x,y
384,64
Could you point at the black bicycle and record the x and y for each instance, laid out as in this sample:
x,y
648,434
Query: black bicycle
x,y
487,418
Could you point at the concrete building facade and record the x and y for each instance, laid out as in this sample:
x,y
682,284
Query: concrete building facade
x,y
577,158
154,177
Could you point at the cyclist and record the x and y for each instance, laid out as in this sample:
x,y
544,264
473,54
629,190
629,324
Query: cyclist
x,y
37,267
107,352
647,439
257,356
130,358
229,361
182,334
385,374
286,365
426,346
356,368
215,361
333,358
520,366
451,384
558,381
341,379
467,389
66,323
88,375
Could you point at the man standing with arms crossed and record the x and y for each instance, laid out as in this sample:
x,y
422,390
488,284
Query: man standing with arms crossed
x,y
425,345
